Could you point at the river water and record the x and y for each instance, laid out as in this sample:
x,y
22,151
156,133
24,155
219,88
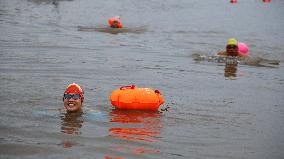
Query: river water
x,y
213,114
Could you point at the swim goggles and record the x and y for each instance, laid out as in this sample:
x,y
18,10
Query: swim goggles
x,y
69,96
231,46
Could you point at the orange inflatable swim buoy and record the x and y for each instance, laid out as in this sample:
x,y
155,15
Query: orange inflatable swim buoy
x,y
115,22
130,97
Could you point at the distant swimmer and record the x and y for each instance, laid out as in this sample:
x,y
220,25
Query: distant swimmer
x,y
236,52
114,26
73,98
240,50
115,22
235,49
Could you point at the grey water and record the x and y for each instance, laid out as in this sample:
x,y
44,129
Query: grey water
x,y
216,111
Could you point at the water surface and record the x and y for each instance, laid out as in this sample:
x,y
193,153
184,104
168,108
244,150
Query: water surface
x,y
210,116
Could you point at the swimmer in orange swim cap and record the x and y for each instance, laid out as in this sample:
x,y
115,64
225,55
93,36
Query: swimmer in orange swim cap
x,y
231,49
73,98
115,22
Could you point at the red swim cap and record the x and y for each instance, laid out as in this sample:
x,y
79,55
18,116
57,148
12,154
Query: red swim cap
x,y
115,19
75,89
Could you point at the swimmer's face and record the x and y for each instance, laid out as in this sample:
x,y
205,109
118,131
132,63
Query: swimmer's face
x,y
72,102
114,24
232,50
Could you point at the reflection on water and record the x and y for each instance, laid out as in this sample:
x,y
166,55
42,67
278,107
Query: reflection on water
x,y
71,124
230,70
109,157
142,126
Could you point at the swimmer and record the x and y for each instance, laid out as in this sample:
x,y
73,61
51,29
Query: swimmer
x,y
115,22
73,98
231,49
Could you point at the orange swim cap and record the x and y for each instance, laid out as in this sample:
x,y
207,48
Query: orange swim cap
x,y
75,89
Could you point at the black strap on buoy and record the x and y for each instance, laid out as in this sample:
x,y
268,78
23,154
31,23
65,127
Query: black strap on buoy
x,y
157,91
127,87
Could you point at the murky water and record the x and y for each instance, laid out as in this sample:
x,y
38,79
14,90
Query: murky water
x,y
216,111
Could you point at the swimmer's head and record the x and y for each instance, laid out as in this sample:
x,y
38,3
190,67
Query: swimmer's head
x,y
73,97
232,47
115,22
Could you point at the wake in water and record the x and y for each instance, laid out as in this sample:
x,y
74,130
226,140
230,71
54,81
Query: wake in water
x,y
251,61
135,30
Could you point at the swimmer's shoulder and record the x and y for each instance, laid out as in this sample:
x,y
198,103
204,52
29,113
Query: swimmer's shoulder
x,y
222,53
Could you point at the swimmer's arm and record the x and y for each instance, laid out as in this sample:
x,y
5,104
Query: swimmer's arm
x,y
223,53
